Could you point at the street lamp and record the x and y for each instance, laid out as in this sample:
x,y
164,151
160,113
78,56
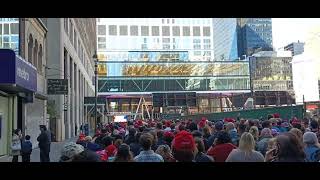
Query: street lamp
x,y
95,59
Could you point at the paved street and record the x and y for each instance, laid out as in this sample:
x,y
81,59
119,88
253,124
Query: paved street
x,y
35,156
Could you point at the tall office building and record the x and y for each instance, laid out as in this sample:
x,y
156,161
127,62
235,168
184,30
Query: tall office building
x,y
296,48
225,39
255,34
193,35
235,37
71,45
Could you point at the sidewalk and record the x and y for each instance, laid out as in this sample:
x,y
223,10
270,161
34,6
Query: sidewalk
x,y
35,156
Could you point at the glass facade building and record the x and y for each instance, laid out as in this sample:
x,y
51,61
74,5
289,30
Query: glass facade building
x,y
254,34
225,39
9,34
144,56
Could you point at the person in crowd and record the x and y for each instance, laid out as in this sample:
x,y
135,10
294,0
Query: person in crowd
x,y
26,149
266,124
197,134
274,132
241,129
131,137
285,126
16,145
103,134
160,138
288,149
168,138
222,147
218,126
305,124
81,139
159,126
44,144
230,128
262,145
206,136
165,152
255,133
201,155
312,147
135,147
184,147
123,154
69,150
272,144
314,127
86,156
118,142
147,155
245,152
298,133
192,127
154,146
90,145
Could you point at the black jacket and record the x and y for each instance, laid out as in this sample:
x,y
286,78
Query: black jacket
x,y
44,142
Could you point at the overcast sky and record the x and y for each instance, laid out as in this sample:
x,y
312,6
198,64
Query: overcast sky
x,y
287,30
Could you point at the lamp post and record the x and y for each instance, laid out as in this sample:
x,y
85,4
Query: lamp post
x,y
95,59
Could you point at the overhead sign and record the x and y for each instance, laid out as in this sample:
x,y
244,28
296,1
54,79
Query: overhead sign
x,y
57,86
91,100
15,70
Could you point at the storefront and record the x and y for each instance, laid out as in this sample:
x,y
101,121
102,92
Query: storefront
x,y
18,82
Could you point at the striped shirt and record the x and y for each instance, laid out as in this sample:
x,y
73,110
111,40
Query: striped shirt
x,y
148,156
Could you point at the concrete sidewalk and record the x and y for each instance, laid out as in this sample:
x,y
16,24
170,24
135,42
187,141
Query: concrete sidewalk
x,y
35,156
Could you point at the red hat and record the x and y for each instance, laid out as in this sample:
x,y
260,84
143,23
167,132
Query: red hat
x,y
276,115
295,121
229,120
168,134
167,123
203,119
111,150
183,141
140,123
202,123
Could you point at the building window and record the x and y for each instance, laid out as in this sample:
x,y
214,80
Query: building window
x,y
165,31
35,53
196,31
186,31
206,46
101,39
101,46
75,40
197,46
144,30
206,31
163,21
14,28
145,40
155,31
166,46
172,21
123,30
134,31
71,31
30,48
197,53
112,30
176,31
206,40
5,28
66,25
40,59
168,21
102,30
196,41
144,46
165,40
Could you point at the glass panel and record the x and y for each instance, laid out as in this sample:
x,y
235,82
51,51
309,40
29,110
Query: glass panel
x,y
14,28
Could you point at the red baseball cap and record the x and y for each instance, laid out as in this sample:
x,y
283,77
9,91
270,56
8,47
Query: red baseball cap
x,y
183,141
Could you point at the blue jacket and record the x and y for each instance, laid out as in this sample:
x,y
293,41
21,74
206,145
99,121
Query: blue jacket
x,y
311,153
26,147
234,136
93,146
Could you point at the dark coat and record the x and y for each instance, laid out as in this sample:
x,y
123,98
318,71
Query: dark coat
x,y
26,147
44,143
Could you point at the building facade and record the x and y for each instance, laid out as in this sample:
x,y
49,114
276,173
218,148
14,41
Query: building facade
x,y
142,57
296,48
225,39
254,34
72,44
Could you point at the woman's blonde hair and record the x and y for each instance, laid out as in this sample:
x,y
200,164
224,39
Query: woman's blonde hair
x,y
247,142
254,131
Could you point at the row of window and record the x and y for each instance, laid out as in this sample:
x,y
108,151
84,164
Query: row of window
x,y
75,41
35,53
154,31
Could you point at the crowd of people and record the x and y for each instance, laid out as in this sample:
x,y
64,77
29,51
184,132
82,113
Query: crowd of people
x,y
228,140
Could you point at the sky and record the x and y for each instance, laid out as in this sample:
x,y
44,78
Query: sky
x,y
288,30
